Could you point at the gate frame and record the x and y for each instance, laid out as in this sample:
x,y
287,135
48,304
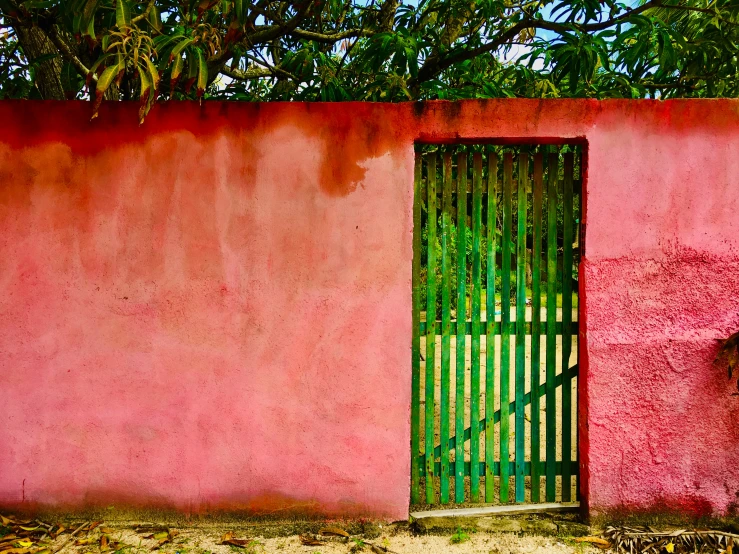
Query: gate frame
x,y
582,504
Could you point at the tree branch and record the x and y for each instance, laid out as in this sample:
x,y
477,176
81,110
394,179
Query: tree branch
x,y
53,34
435,64
247,75
263,35
271,32
668,85
333,37
274,69
139,17
281,28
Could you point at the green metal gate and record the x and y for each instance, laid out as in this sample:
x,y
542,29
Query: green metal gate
x,y
496,249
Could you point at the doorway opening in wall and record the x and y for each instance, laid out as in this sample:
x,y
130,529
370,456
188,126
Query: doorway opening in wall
x,y
497,234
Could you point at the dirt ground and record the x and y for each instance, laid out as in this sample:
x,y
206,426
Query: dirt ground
x,y
404,543
120,538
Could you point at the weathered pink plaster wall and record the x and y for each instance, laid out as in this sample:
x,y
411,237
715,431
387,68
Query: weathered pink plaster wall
x,y
212,311
206,312
662,283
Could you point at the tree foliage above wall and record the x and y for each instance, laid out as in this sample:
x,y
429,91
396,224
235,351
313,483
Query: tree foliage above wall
x,y
381,50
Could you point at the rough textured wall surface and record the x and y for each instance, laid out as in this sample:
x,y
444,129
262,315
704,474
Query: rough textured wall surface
x,y
662,283
212,311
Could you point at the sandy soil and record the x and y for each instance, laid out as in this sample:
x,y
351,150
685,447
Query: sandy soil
x,y
504,543
208,541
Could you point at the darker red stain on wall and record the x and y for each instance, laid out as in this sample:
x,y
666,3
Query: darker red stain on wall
x,y
346,134
689,506
348,141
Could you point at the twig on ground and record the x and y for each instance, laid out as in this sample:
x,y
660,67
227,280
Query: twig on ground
x,y
71,535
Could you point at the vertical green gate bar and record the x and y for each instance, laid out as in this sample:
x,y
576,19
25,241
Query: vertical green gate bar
x,y
461,331
416,345
536,324
441,269
430,325
505,307
520,433
446,322
475,354
492,208
551,355
567,330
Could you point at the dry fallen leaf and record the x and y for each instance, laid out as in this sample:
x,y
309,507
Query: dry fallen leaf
x,y
334,531
93,525
594,540
25,543
163,537
230,539
307,540
107,530
241,543
104,543
83,542
150,529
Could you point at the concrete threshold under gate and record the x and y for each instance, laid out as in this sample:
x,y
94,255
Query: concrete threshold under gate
x,y
549,507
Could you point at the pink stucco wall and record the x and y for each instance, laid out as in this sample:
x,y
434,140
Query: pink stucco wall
x,y
212,311
206,312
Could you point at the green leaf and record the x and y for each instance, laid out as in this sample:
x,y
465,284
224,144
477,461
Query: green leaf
x,y
179,47
87,21
145,79
89,9
179,64
122,14
154,18
154,74
193,63
145,95
667,55
76,23
104,82
99,61
202,82
239,11
90,30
